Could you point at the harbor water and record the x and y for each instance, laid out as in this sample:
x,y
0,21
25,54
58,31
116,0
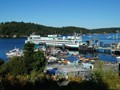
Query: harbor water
x,y
7,44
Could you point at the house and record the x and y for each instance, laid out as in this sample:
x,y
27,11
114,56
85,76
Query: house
x,y
71,71
87,65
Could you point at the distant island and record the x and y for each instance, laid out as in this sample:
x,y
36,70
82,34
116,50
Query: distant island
x,y
22,29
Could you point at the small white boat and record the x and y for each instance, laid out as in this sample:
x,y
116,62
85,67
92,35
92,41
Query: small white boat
x,y
118,59
109,37
14,52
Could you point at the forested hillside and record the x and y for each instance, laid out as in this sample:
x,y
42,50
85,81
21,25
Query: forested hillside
x,y
22,29
106,30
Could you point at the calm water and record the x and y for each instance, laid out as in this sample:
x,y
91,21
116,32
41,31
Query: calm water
x,y
10,43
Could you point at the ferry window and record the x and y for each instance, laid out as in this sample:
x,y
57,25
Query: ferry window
x,y
36,37
76,41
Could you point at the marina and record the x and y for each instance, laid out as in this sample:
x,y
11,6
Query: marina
x,y
9,44
62,63
80,56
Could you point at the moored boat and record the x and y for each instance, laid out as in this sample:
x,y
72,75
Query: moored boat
x,y
53,40
14,52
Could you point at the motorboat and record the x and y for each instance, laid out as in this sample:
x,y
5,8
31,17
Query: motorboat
x,y
14,52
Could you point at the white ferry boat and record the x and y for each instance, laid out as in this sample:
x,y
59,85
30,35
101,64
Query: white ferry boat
x,y
54,40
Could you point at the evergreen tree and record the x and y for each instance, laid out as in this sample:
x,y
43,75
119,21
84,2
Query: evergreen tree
x,y
33,60
1,61
40,61
28,52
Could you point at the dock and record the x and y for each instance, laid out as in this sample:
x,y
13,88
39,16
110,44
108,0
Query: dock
x,y
107,50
